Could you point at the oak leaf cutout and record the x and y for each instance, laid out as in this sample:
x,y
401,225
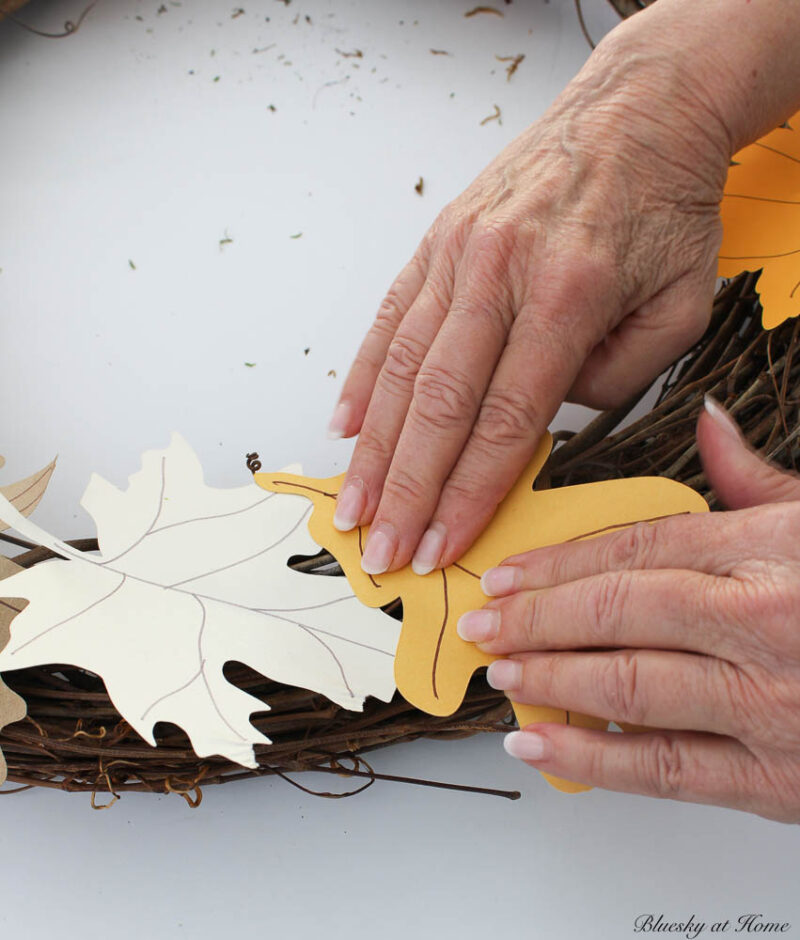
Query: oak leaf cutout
x,y
187,578
433,664
12,706
761,221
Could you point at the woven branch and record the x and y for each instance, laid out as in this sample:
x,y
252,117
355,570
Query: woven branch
x,y
74,739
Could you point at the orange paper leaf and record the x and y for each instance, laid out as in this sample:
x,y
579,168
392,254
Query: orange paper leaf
x,y
761,221
433,664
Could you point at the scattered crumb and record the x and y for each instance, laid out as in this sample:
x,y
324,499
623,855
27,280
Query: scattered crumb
x,y
440,52
250,365
307,350
239,11
476,10
355,54
497,116
132,265
298,235
161,9
332,373
225,240
419,186
515,61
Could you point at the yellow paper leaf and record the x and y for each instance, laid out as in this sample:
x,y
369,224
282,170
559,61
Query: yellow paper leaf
x,y
12,707
761,220
433,664
25,495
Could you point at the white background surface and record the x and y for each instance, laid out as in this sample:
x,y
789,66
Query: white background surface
x,y
119,144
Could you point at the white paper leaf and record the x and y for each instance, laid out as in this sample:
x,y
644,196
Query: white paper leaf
x,y
189,577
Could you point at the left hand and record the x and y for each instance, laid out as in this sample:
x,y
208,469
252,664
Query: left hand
x,y
700,620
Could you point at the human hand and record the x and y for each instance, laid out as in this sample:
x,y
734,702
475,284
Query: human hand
x,y
580,263
700,620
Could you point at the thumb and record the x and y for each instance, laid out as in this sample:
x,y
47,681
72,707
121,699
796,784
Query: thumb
x,y
739,477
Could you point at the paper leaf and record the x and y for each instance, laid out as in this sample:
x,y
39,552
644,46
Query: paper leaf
x,y
189,577
433,664
26,494
761,220
12,707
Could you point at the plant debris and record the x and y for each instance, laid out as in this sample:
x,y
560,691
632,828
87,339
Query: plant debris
x,y
497,116
419,186
476,10
298,235
132,265
307,350
239,11
225,240
250,365
355,54
331,373
440,52
515,61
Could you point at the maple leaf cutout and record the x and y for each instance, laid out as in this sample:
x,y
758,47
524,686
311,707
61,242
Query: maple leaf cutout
x,y
187,578
761,221
12,706
433,664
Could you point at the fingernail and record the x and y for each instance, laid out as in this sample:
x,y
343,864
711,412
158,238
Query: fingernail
x,y
527,745
338,425
430,549
504,674
721,417
501,580
380,548
350,505
478,626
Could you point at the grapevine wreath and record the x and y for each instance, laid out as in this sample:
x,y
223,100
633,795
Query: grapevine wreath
x,y
69,735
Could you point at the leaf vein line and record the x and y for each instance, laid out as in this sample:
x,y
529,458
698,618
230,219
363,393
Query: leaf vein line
x,y
79,613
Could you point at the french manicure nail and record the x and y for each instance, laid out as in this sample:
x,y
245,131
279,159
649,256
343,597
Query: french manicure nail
x,y
478,626
350,505
721,417
501,580
429,551
527,745
380,548
504,674
338,425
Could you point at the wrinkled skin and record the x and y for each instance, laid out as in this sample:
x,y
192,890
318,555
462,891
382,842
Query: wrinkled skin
x,y
578,264
690,627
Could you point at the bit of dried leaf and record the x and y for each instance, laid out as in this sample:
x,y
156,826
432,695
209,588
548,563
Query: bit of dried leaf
x,y
355,54
476,10
515,61
497,116
419,186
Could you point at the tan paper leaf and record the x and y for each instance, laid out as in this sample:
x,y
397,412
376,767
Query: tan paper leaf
x,y
12,707
25,495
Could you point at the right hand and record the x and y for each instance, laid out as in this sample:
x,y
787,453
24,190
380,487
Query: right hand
x,y
580,263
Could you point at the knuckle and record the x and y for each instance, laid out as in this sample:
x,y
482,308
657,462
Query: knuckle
x,y
373,444
403,360
663,771
605,604
507,418
632,548
619,687
442,398
529,617
470,490
404,488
